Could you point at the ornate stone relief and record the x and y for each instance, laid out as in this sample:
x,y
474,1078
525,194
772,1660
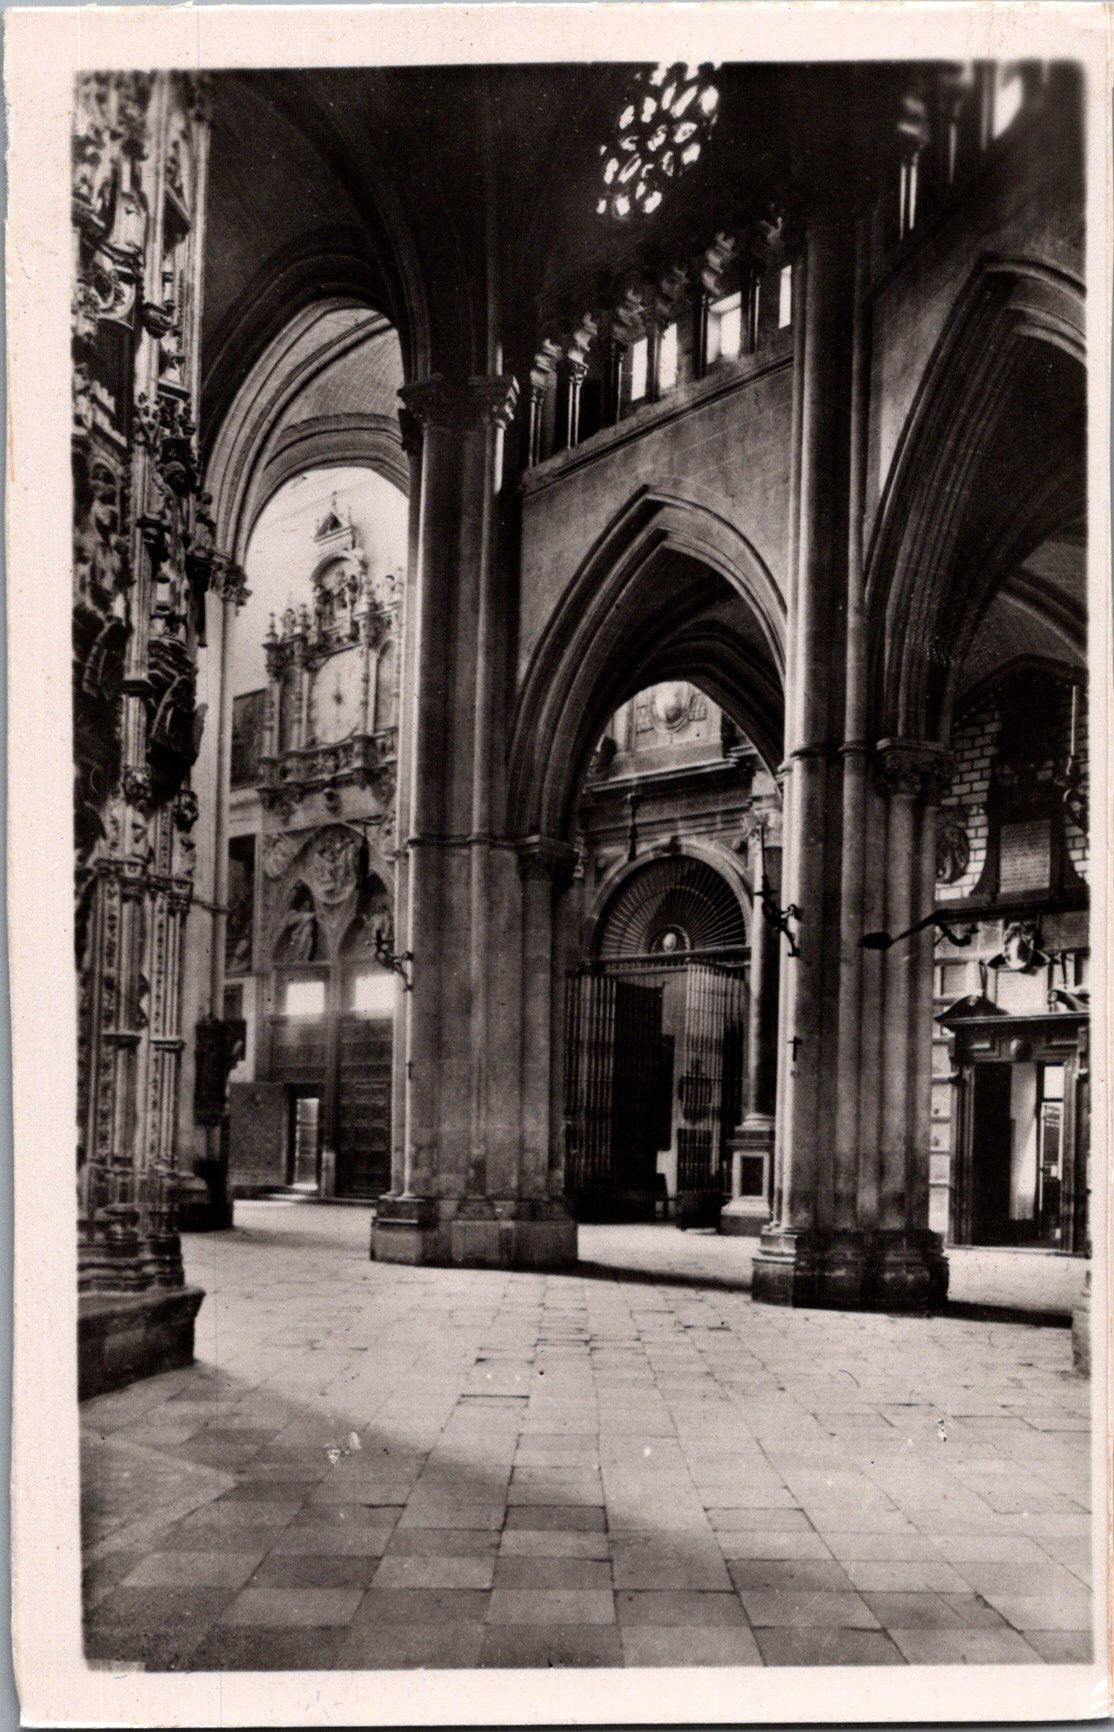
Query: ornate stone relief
x,y
136,620
953,847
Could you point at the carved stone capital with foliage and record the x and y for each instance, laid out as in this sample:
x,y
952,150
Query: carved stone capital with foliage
x,y
913,770
459,406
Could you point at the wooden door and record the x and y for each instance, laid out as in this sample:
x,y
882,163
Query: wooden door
x,y
991,1148
363,1106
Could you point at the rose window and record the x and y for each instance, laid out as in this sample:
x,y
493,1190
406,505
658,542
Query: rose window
x,y
662,129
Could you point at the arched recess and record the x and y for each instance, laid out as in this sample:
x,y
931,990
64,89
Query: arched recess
x,y
621,875
670,590
992,463
257,447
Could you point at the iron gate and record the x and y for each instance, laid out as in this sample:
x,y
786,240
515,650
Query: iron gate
x,y
634,1088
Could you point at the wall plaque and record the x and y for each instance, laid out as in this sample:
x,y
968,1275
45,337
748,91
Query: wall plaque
x,y
1025,856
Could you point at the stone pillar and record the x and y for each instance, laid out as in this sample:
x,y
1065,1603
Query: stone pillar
x,y
802,1260
754,1140
470,1191
906,1268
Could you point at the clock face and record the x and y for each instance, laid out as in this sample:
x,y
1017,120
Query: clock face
x,y
336,697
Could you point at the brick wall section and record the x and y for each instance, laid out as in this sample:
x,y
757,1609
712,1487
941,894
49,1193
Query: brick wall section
x,y
974,741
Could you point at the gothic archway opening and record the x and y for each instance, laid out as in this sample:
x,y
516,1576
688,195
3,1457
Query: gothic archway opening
x,y
311,811
657,991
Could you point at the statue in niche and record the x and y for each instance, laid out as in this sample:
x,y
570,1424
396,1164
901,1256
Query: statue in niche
x,y
373,928
297,941
953,848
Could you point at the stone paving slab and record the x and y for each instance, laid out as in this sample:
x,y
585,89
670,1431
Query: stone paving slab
x,y
396,1467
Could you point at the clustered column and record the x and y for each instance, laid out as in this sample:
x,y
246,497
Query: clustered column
x,y
473,1152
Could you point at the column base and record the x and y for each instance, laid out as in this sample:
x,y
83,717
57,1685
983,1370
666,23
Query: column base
x,y
124,1336
474,1232
405,1230
851,1271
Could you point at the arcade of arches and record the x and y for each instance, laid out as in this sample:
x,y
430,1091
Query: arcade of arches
x,y
580,698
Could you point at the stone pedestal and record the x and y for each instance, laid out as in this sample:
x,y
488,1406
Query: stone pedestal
x,y
851,1270
474,1232
752,1153
122,1336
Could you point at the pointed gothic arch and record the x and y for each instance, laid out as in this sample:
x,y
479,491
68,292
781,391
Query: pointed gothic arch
x,y
671,589
990,463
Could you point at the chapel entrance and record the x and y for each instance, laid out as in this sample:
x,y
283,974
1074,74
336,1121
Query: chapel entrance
x,y
1023,1173
655,1043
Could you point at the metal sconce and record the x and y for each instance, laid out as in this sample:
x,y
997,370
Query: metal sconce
x,y
884,940
398,962
774,915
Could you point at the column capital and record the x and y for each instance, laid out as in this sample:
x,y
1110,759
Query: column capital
x,y
544,858
913,769
458,405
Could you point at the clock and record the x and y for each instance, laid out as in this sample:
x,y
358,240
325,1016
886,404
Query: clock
x,y
336,697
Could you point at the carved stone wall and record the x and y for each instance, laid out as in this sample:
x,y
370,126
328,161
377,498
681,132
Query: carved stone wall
x,y
143,561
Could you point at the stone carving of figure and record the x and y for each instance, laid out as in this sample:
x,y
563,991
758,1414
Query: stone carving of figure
x,y
297,941
953,849
332,865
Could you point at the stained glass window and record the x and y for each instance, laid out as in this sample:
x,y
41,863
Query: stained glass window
x,y
661,131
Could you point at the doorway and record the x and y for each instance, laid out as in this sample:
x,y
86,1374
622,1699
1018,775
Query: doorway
x,y
653,1086
303,1149
1017,1151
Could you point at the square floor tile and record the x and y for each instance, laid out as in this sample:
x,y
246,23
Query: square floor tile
x,y
393,1647
282,1608
1044,1612
689,1645
789,1575
964,1647
417,1606
304,1570
436,1572
677,1606
904,1575
442,1542
804,1610
831,1646
552,1543
574,1517
551,1606
318,1539
537,1646
543,1572
881,1548
230,1648
216,1569
1062,1647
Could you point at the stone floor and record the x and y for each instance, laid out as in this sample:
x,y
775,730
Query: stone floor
x,y
372,1466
